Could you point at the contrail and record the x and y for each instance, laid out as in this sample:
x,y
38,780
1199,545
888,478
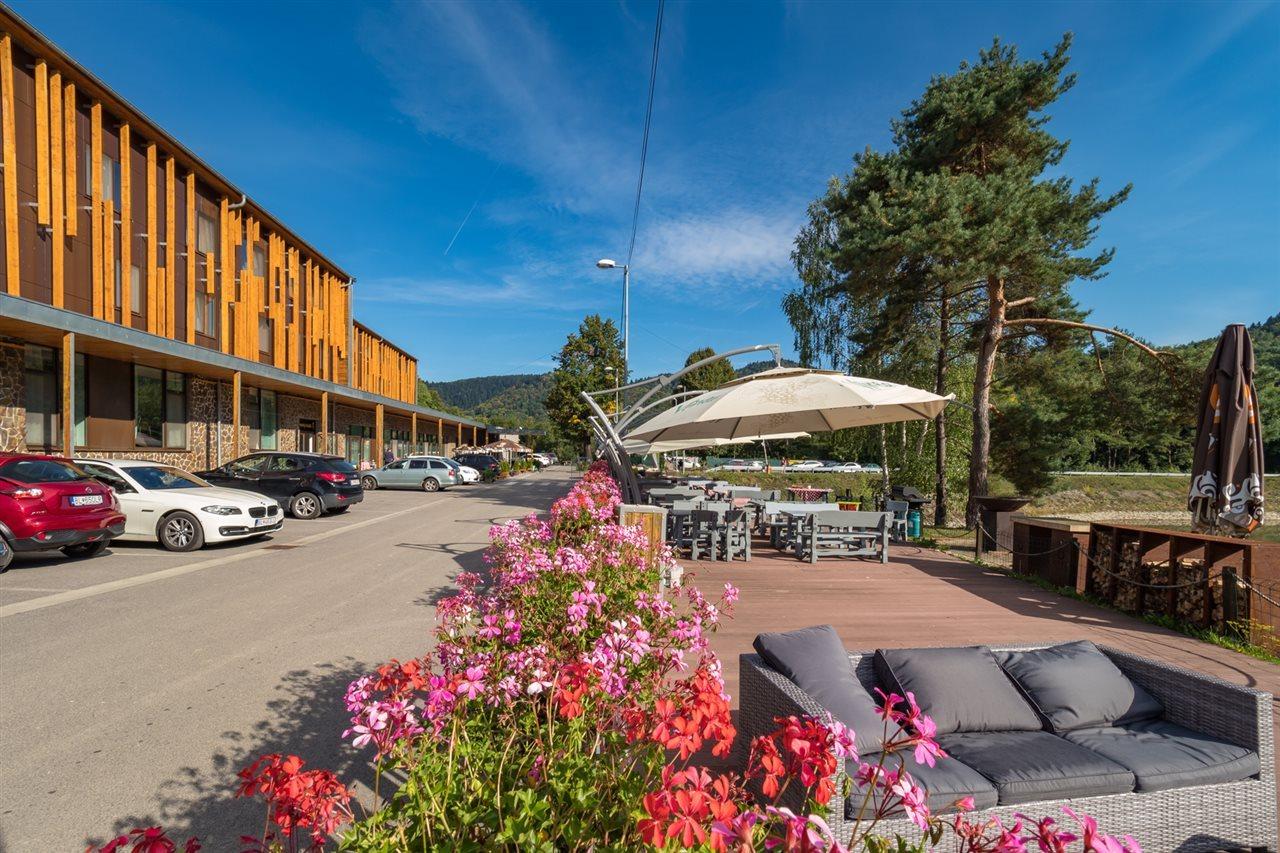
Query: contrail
x,y
474,205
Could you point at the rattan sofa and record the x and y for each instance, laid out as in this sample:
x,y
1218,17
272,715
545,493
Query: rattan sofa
x,y
1229,815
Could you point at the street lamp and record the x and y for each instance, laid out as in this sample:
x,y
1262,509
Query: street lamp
x,y
610,264
617,408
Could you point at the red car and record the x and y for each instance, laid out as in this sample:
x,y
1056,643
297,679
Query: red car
x,y
46,502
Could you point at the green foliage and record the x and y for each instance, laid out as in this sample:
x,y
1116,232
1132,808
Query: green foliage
x,y
710,376
582,364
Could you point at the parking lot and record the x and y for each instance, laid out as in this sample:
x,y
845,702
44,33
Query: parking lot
x,y
137,682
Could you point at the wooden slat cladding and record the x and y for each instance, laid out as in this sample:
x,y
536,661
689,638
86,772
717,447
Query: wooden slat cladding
x,y
8,127
136,220
381,368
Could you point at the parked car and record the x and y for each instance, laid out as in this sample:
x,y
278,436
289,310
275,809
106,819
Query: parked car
x,y
306,484
805,465
429,473
870,467
842,468
466,474
47,503
179,510
740,465
480,461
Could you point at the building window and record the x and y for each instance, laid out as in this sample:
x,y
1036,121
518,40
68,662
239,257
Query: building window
x,y
206,316
159,408
148,406
206,234
81,411
175,409
359,444
264,333
135,289
41,375
259,260
110,176
119,283
260,415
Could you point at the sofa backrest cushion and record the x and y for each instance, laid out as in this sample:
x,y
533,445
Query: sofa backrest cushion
x,y
816,661
962,689
1076,686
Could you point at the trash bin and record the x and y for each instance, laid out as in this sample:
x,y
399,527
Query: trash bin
x,y
913,524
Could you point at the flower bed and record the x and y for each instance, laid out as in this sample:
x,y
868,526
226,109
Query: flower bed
x,y
568,704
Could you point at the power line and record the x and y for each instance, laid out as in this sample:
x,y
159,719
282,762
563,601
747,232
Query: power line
x,y
648,120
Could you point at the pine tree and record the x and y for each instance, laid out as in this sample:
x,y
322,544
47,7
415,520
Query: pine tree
x,y
709,376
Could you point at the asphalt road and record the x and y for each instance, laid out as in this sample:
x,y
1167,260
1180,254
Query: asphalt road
x,y
137,683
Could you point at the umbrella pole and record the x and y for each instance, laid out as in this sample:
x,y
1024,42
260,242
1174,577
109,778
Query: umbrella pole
x,y
765,445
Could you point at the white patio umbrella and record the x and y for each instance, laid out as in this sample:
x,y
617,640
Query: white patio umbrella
x,y
787,399
641,447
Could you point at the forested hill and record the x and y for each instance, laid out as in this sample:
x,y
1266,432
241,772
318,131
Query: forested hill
x,y
514,398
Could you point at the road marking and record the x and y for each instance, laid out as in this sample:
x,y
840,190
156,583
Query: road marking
x,y
178,571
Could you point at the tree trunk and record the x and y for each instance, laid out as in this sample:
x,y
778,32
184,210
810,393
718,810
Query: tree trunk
x,y
884,461
940,433
979,459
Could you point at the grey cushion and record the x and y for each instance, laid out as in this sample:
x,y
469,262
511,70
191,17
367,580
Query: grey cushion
x,y
1164,755
945,782
1030,766
1075,686
816,660
962,689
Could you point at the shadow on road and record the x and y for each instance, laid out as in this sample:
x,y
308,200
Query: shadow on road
x,y
306,718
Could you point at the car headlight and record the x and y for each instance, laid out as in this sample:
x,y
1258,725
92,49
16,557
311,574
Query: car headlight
x,y
222,510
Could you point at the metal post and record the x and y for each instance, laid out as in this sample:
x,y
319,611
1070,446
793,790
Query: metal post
x,y
626,320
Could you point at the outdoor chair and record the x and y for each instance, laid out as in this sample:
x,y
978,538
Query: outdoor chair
x,y
793,514
1180,760
702,531
737,535
899,510
678,517
843,534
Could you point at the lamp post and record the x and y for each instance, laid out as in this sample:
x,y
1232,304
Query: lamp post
x,y
610,264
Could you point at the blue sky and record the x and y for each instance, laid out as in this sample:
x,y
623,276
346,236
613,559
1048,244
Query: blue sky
x,y
374,129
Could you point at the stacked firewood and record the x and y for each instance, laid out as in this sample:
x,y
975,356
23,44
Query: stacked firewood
x,y
1099,580
1191,600
1131,573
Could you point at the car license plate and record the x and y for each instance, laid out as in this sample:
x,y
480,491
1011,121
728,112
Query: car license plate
x,y
86,500
354,481
263,522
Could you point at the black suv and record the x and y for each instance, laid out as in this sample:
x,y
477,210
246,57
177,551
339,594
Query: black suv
x,y
306,484
480,461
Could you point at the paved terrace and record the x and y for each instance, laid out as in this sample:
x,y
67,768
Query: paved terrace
x,y
927,598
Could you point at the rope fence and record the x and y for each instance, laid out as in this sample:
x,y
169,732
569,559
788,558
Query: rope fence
x,y
1261,600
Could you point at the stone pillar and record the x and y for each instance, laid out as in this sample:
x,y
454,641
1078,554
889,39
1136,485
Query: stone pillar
x,y
323,438
235,414
413,431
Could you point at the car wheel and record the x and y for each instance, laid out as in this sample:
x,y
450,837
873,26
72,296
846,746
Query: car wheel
x,y
369,483
305,505
431,484
6,557
180,531
86,549
339,510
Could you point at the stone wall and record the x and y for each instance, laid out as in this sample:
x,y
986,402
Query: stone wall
x,y
13,412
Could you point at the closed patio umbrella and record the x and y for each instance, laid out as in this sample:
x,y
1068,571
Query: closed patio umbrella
x,y
786,399
1226,475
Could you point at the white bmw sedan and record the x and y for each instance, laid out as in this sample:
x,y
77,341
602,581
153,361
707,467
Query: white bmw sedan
x,y
179,510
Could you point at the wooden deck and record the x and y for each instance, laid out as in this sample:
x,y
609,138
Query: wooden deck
x,y
926,598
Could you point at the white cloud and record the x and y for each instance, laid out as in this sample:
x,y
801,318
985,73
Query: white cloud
x,y
732,248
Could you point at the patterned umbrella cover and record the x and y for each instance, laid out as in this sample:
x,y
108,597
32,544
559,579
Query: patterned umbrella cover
x,y
1226,475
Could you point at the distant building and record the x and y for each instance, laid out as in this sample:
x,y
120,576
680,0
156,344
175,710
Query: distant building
x,y
149,309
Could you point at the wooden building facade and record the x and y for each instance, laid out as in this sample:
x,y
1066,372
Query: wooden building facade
x,y
108,217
